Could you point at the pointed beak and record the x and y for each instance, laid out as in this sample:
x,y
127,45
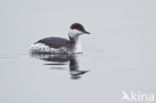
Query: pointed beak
x,y
86,32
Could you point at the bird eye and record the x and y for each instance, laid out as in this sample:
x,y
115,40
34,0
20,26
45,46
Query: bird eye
x,y
79,29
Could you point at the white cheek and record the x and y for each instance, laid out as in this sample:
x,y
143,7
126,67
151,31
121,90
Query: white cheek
x,y
74,33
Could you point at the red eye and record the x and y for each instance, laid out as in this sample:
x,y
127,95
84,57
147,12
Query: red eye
x,y
79,29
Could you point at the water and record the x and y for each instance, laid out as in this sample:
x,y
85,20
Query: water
x,y
119,55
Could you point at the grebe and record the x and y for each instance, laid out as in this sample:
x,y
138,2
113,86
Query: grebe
x,y
61,45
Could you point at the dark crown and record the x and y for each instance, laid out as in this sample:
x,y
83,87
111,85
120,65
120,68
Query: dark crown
x,y
77,26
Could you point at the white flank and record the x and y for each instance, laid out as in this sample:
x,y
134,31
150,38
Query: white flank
x,y
40,47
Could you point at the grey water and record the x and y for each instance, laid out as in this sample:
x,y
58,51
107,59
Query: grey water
x,y
119,54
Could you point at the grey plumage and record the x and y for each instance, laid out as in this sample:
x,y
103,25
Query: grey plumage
x,y
55,42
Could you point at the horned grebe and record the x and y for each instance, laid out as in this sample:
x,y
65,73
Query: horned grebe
x,y
61,45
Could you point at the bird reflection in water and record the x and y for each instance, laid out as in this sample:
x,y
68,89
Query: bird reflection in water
x,y
62,59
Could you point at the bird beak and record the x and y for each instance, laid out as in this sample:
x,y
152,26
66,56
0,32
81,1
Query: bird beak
x,y
86,32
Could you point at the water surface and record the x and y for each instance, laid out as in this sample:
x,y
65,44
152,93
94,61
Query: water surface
x,y
119,55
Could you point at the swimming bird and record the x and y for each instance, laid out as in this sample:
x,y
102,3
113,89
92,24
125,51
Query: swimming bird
x,y
58,45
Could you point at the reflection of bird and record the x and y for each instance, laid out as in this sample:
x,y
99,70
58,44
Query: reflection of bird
x,y
125,96
62,59
74,69
77,74
61,45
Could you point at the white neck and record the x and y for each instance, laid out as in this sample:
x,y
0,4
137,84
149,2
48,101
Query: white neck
x,y
74,38
78,48
76,45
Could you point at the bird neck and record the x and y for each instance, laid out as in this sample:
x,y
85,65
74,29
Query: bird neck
x,y
75,42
